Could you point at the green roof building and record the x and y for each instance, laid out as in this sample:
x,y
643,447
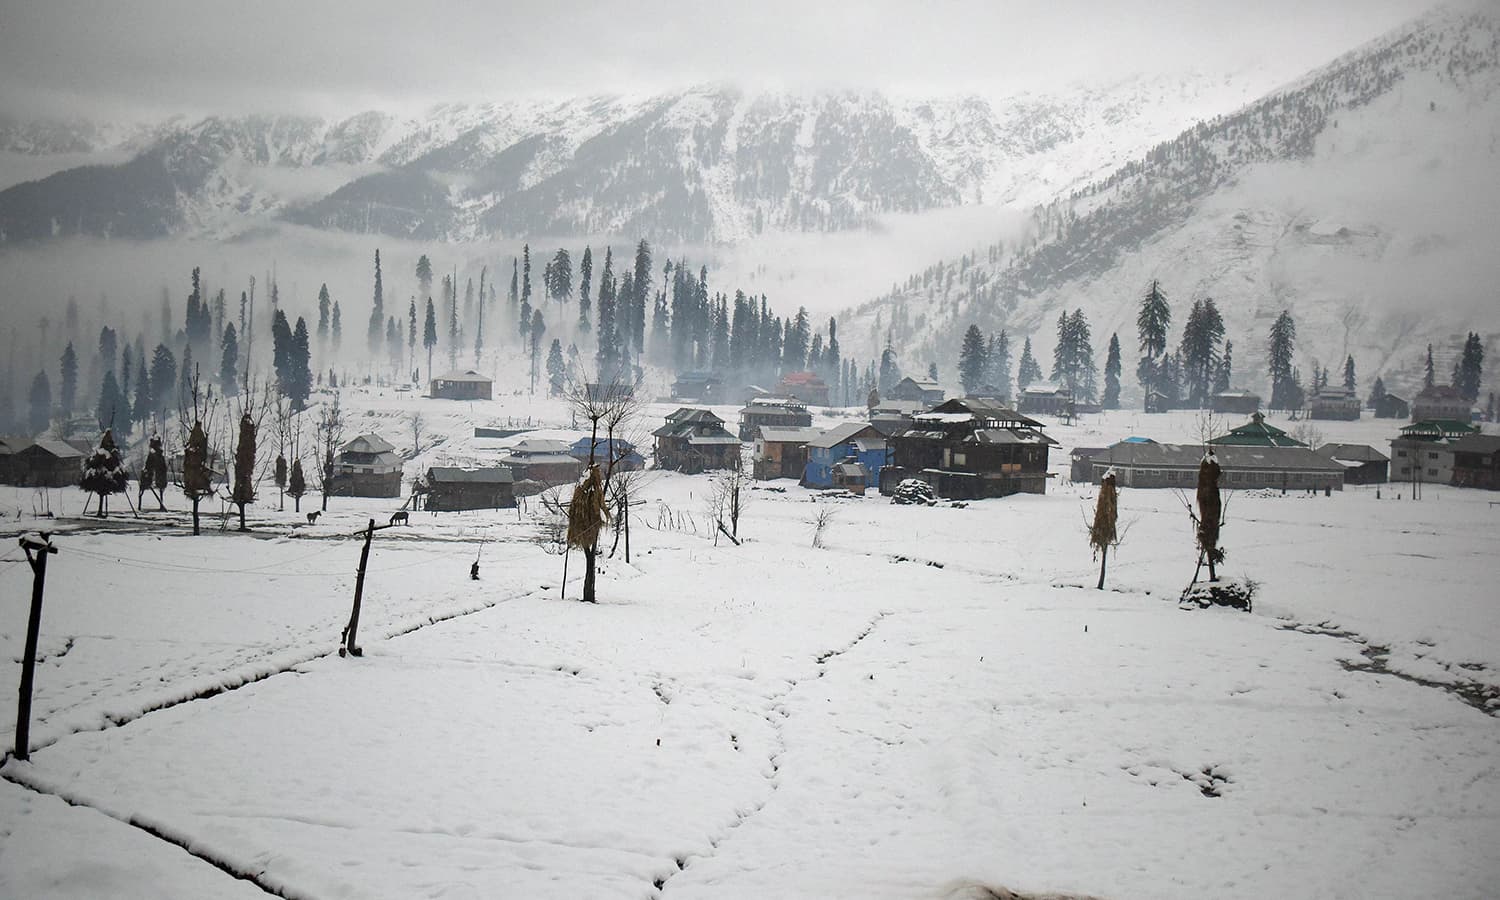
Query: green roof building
x,y
1256,433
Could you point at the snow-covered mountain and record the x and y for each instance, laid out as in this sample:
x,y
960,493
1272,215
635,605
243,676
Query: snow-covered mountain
x,y
709,164
1361,198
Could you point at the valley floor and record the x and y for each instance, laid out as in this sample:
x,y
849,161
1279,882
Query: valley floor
x,y
935,699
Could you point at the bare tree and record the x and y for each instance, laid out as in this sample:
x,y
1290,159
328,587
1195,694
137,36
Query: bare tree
x,y
281,421
610,407
329,434
417,424
821,521
727,500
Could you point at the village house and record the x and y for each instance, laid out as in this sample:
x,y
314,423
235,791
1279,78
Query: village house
x,y
698,387
788,412
970,449
626,458
1256,433
543,460
1046,400
805,386
466,385
852,476
8,448
1081,464
781,452
1424,453
695,440
858,442
450,489
929,392
1148,464
891,416
1334,403
1476,461
47,463
1362,463
367,466
1236,403
1389,406
1440,402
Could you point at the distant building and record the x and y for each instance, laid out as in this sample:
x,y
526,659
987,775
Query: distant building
x,y
8,448
1237,403
1362,463
698,387
1081,464
1046,400
465,385
1476,461
858,442
929,392
367,466
788,412
543,460
891,416
1256,433
1440,402
1389,406
695,440
970,449
1423,453
627,459
1148,464
782,452
47,463
1337,404
450,489
805,386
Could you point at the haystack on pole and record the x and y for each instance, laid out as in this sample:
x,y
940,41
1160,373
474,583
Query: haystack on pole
x,y
1102,534
1210,509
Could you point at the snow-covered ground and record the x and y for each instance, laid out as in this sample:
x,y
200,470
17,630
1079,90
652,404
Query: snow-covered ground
x,y
935,698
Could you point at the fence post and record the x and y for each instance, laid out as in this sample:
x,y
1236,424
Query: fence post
x,y
350,648
37,551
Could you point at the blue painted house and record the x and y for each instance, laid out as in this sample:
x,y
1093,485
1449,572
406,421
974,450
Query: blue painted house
x,y
626,457
858,442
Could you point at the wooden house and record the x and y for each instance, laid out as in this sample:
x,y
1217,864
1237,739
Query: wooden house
x,y
1441,402
695,440
1424,451
367,466
970,449
544,461
698,387
1476,461
1256,433
1148,464
925,390
450,489
1046,400
1389,406
626,458
858,442
781,452
8,448
891,416
47,463
465,385
1237,403
805,386
1337,404
1362,463
781,412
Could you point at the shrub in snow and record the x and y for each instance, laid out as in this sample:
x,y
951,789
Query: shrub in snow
x,y
103,472
914,490
1234,594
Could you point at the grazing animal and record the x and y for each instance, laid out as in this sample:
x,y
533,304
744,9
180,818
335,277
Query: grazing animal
x,y
312,517
399,515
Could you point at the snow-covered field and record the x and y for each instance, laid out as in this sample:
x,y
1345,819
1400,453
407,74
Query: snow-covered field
x,y
936,698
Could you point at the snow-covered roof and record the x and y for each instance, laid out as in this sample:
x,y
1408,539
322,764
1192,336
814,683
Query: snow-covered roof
x,y
367,443
455,475
468,375
840,433
937,418
788,434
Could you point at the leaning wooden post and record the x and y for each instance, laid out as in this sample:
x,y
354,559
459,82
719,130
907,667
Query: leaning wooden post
x,y
350,648
37,551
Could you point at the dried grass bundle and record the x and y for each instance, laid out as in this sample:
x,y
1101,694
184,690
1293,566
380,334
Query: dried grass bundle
x,y
1102,533
588,510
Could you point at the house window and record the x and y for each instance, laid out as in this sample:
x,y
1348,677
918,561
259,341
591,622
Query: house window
x,y
1432,454
1432,473
960,459
1401,453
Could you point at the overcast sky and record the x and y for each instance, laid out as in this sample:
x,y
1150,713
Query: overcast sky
x,y
155,57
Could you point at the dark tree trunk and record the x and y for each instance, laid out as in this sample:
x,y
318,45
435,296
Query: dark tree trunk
x,y
196,501
1103,560
590,554
242,517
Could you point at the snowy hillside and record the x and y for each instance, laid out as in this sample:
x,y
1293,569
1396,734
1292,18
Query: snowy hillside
x,y
1360,198
709,164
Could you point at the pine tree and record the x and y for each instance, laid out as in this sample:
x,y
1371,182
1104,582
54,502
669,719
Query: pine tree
x,y
1429,377
1351,384
1279,353
411,334
525,279
163,378
607,355
336,329
556,369
1112,374
69,393
585,279
997,359
39,403
1151,323
1469,374
112,406
1377,393
538,328
377,314
229,361
299,366
424,275
1226,369
971,360
429,334
831,359
1030,370
145,401
1199,350
794,347
325,307
890,372
560,277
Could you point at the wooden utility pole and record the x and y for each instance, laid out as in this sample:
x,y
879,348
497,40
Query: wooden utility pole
x,y
350,647
37,550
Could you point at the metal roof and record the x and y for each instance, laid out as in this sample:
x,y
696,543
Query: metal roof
x,y
840,433
1361,453
367,443
468,375
59,449
1230,456
788,434
1477,443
